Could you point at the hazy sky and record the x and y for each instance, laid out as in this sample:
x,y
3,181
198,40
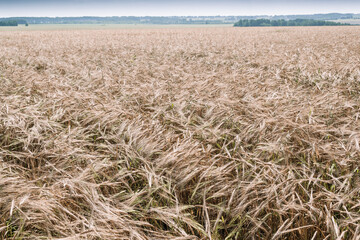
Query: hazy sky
x,y
53,8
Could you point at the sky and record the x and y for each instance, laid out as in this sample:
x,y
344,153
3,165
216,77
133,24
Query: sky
x,y
62,8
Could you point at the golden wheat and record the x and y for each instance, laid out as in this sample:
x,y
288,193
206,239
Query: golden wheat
x,y
222,133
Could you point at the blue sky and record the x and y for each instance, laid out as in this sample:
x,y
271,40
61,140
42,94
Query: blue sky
x,y
54,8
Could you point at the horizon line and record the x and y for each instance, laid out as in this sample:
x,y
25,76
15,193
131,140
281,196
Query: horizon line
x,y
231,15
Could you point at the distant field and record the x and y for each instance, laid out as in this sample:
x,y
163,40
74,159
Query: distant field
x,y
41,27
350,21
180,133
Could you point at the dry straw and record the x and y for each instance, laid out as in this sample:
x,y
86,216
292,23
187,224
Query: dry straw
x,y
221,133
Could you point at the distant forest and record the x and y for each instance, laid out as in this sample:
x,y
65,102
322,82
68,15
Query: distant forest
x,y
8,23
11,22
173,19
282,22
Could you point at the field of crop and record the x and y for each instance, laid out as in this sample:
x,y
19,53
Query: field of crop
x,y
350,21
193,133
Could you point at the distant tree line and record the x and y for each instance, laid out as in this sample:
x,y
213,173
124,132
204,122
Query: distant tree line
x,y
172,19
326,16
9,23
282,22
125,20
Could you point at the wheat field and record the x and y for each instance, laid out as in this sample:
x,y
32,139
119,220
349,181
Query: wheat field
x,y
180,133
